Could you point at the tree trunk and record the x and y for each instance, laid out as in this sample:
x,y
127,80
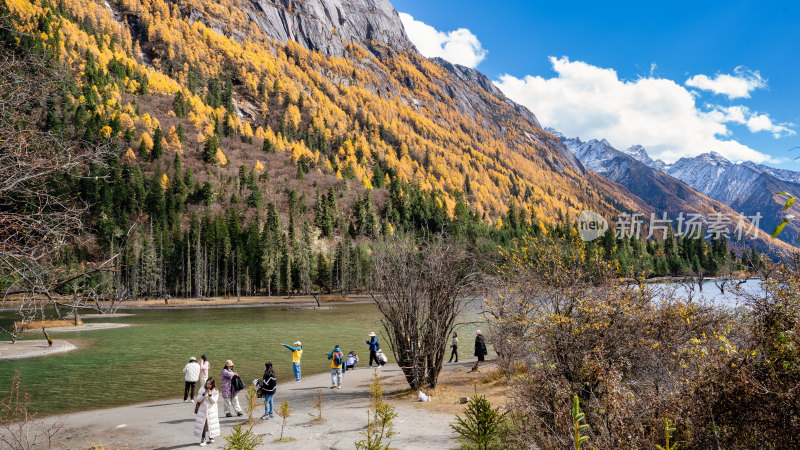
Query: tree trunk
x,y
47,336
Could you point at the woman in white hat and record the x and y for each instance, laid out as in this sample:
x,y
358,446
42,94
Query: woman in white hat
x,y
228,395
373,349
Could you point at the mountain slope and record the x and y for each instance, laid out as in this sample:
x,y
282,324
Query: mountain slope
x,y
669,194
379,108
746,187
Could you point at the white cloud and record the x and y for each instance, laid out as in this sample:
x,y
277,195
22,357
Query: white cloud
x,y
755,122
762,122
734,86
593,103
459,46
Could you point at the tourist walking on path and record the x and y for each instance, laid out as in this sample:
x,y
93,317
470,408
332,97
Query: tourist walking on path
x,y
204,366
454,346
206,424
269,385
480,348
373,348
337,361
228,394
297,355
191,373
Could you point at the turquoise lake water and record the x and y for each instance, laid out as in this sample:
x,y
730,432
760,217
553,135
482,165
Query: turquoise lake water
x,y
144,361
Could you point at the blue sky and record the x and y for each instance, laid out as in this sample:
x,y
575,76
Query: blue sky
x,y
622,70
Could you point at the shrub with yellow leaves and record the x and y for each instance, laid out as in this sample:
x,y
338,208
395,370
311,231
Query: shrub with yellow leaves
x,y
564,325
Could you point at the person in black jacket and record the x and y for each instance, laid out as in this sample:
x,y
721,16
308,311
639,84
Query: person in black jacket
x,y
269,385
480,348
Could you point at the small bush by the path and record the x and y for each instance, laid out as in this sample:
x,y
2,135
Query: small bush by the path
x,y
242,438
284,411
380,421
317,402
482,426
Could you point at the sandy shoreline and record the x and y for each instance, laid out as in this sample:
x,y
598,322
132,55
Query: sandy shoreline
x,y
33,348
219,302
83,327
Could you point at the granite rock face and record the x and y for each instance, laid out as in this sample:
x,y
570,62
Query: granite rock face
x,y
469,75
328,25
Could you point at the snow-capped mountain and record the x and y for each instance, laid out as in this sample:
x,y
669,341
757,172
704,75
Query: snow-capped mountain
x,y
663,192
721,179
746,187
640,154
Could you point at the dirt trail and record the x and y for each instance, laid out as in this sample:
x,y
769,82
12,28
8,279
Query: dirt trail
x,y
169,423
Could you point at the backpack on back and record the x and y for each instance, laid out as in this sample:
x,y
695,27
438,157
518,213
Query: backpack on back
x,y
338,357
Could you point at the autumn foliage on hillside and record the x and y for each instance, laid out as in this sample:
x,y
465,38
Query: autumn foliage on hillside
x,y
354,117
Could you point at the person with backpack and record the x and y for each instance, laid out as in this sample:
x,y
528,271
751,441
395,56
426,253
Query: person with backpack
x,y
337,362
297,355
191,373
206,424
269,385
374,346
228,391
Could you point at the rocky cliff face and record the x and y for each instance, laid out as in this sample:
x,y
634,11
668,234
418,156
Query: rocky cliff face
x,y
469,75
328,26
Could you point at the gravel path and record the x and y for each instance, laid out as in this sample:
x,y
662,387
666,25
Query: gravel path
x,y
168,423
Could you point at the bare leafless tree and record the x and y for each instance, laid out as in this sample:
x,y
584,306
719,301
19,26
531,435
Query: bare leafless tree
x,y
39,217
422,286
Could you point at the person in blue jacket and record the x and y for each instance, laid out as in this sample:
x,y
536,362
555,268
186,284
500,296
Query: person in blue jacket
x,y
373,348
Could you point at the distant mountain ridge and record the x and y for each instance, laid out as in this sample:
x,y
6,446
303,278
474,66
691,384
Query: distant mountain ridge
x,y
747,187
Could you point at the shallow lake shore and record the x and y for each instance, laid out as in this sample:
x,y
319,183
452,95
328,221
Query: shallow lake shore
x,y
33,348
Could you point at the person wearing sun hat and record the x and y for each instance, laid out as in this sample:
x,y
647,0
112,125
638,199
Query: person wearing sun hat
x,y
191,373
297,356
228,395
374,346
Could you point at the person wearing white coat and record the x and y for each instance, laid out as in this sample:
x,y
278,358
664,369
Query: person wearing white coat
x,y
207,421
191,373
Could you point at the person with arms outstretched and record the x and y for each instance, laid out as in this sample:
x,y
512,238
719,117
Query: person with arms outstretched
x,y
297,355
